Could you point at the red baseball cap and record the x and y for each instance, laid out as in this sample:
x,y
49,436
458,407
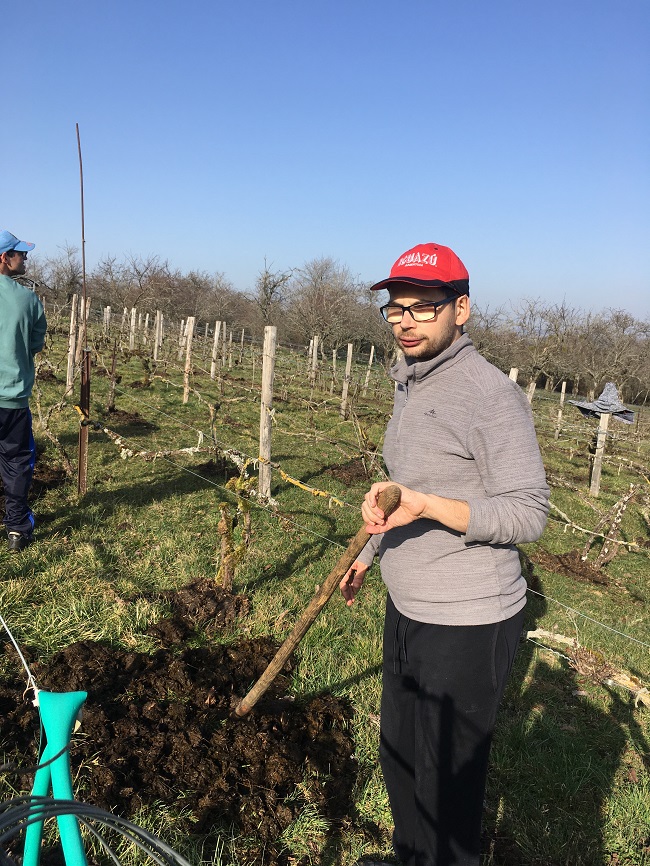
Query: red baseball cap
x,y
429,265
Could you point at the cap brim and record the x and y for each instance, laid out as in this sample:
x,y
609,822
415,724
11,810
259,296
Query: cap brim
x,y
23,247
461,287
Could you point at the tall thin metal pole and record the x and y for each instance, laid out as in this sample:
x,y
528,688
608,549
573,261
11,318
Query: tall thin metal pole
x,y
84,395
83,240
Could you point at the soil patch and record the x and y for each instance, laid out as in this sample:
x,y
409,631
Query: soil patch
x,y
350,472
201,604
159,728
129,419
570,564
47,477
45,374
211,468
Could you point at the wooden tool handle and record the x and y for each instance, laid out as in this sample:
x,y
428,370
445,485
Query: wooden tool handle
x,y
388,501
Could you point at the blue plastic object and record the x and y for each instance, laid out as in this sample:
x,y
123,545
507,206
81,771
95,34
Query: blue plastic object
x,y
58,710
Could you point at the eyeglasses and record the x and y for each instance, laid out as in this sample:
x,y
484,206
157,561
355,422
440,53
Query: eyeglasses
x,y
393,313
17,252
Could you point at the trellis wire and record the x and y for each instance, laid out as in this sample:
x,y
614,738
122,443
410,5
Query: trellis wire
x,y
337,544
30,677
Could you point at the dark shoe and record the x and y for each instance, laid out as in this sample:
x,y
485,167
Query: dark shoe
x,y
17,541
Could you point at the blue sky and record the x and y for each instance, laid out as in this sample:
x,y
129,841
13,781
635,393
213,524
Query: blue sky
x,y
216,134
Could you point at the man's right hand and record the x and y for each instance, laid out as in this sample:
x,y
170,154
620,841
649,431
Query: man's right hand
x,y
353,581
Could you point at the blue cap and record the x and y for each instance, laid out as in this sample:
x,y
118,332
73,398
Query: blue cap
x,y
10,242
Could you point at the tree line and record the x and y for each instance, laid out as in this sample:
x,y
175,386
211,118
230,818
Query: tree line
x,y
548,342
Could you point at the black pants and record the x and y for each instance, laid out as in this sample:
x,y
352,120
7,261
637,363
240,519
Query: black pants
x,y
17,458
441,689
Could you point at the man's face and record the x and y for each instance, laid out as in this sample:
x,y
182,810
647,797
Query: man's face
x,y
421,341
15,263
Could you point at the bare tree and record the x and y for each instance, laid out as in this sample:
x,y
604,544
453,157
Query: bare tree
x,y
324,301
270,292
611,346
61,273
487,329
541,338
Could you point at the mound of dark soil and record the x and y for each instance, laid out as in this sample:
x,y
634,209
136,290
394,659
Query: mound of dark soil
x,y
202,604
159,728
350,472
47,477
570,564
128,419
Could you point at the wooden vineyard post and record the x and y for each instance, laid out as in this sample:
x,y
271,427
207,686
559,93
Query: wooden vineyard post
x,y
266,407
230,350
241,348
72,340
84,405
215,350
81,318
110,402
594,488
367,379
107,321
189,334
346,384
313,364
333,380
514,372
558,423
145,333
157,340
205,341
134,314
181,340
530,392
224,345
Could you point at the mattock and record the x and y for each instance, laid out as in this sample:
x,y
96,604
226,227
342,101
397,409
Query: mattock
x,y
388,501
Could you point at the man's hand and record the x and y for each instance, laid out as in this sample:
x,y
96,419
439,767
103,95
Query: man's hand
x,y
353,581
453,513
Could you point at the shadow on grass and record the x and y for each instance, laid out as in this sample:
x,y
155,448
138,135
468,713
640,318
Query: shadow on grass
x,y
553,765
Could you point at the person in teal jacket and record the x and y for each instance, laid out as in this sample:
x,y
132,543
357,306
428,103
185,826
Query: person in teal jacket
x,y
22,335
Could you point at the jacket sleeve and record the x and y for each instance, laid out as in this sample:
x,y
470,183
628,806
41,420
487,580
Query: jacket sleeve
x,y
370,550
503,443
37,337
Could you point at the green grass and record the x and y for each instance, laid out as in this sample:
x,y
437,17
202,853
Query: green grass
x,y
570,766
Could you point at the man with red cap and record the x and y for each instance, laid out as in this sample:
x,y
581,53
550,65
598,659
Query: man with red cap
x,y
22,334
462,448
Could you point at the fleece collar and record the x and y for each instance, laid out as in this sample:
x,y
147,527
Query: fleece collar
x,y
416,370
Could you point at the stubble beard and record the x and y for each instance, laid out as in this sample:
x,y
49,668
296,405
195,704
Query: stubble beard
x,y
429,347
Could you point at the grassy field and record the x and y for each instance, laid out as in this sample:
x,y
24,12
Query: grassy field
x,y
570,771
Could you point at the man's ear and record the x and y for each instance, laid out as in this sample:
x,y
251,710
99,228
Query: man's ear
x,y
462,309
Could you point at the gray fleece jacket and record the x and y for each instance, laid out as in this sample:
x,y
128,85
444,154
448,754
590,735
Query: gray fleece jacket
x,y
463,430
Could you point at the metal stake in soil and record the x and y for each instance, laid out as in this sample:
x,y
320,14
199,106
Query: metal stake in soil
x,y
388,501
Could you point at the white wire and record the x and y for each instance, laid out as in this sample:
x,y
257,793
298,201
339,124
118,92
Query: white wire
x,y
590,618
30,677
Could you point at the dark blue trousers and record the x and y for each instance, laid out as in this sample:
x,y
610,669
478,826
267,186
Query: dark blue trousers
x,y
17,459
441,690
